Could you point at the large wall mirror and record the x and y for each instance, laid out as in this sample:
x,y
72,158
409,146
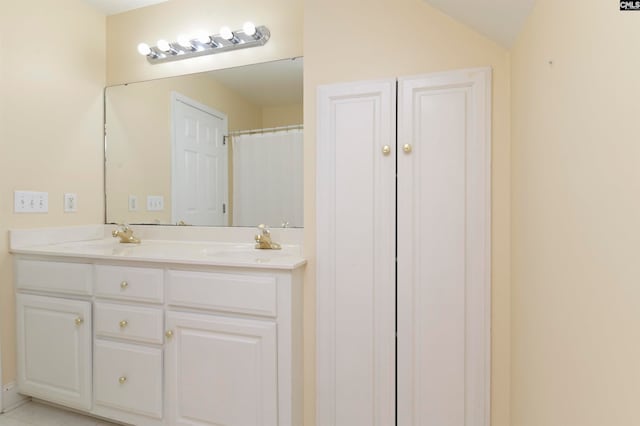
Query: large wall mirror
x,y
220,148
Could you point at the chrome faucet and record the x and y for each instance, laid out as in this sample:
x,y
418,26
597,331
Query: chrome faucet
x,y
125,234
263,239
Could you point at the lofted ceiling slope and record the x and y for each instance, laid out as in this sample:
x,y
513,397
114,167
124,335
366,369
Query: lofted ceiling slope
x,y
499,20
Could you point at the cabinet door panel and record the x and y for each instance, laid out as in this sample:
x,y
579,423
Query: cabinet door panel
x,y
356,254
54,349
444,249
221,371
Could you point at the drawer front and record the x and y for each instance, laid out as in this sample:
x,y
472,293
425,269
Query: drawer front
x,y
129,322
59,277
129,283
249,294
128,377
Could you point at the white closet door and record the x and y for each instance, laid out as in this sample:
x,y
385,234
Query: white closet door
x,y
356,239
444,249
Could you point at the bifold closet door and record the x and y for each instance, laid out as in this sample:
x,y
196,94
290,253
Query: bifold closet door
x,y
444,249
356,254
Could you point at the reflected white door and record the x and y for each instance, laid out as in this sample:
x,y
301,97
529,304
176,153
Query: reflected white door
x,y
200,162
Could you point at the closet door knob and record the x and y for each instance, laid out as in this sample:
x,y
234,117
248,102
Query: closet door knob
x,y
79,321
386,150
124,323
169,334
122,380
407,148
124,285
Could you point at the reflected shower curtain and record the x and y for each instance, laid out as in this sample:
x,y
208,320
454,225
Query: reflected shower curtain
x,y
267,179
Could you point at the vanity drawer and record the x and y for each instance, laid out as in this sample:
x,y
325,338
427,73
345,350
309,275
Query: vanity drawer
x,y
128,377
249,294
129,322
62,277
129,283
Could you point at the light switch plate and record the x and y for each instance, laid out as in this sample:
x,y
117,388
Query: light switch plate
x,y
70,202
30,202
155,203
133,203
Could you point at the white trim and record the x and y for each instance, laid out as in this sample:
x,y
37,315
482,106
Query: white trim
x,y
178,97
11,398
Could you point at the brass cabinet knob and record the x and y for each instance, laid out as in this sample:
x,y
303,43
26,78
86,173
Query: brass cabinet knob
x,y
124,285
169,334
122,380
79,321
386,150
124,323
407,148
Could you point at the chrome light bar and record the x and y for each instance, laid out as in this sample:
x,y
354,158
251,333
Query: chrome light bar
x,y
225,41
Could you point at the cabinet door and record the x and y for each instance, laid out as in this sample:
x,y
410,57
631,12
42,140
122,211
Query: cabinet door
x,y
54,349
220,371
356,254
444,249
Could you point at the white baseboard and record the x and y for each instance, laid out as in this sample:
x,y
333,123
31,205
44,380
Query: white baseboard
x,y
11,398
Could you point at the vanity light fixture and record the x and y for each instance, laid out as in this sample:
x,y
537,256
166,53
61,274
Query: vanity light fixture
x,y
205,44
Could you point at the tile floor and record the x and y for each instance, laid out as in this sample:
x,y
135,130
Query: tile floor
x,y
36,414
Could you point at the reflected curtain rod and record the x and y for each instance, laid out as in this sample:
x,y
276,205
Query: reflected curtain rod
x,y
267,130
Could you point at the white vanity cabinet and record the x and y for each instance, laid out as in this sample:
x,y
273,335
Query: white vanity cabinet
x,y
54,331
54,349
149,344
129,329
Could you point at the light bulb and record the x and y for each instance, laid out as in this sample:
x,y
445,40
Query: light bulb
x,y
163,45
225,33
249,29
203,37
144,49
184,41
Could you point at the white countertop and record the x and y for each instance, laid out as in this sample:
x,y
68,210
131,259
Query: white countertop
x,y
227,254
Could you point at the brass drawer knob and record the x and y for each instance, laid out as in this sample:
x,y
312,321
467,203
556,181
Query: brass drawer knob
x,y
124,323
124,285
79,321
169,334
407,148
122,380
386,150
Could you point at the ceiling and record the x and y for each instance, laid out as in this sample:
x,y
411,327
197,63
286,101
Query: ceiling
x,y
499,20
112,7
275,83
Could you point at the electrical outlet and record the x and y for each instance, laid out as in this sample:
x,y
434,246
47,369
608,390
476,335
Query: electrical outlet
x,y
155,203
30,202
133,203
70,202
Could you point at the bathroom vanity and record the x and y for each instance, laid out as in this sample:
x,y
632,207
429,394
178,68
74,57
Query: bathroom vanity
x,y
166,332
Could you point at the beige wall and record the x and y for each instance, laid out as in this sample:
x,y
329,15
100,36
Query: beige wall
x,y
282,116
392,38
52,72
139,138
167,20
576,180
